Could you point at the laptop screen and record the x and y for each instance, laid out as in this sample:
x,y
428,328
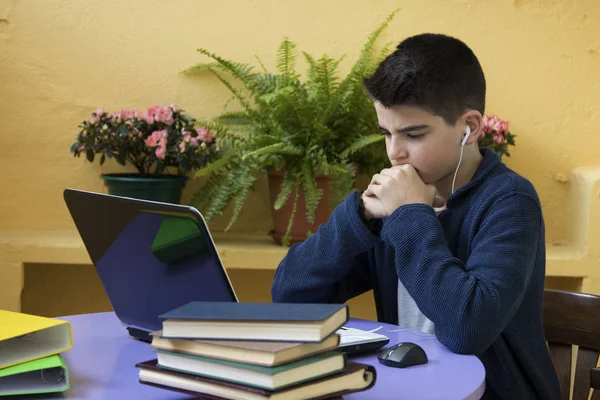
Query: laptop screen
x,y
151,257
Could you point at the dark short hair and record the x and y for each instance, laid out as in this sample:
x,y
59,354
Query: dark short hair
x,y
436,72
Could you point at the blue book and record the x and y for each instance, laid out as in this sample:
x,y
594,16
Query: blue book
x,y
286,322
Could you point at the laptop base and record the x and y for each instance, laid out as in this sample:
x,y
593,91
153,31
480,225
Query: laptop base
x,y
140,335
357,349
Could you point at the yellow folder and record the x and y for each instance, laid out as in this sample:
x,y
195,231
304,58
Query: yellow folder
x,y
25,337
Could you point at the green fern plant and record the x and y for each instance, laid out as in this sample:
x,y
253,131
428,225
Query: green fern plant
x,y
319,124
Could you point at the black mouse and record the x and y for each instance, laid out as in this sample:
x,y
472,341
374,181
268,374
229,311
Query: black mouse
x,y
403,355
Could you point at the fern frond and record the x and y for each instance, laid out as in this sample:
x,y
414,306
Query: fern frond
x,y
312,67
324,133
266,83
245,183
280,148
341,186
322,79
200,67
217,164
203,196
222,197
244,103
331,170
285,241
385,51
261,64
326,70
286,59
241,71
291,110
287,186
367,50
234,118
361,143
352,84
312,193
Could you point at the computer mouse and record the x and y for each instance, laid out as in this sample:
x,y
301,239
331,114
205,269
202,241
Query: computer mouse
x,y
402,355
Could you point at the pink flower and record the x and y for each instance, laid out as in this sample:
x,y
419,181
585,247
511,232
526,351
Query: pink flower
x,y
157,138
161,151
149,115
498,138
182,146
205,135
504,128
159,113
123,114
485,121
135,113
193,141
492,125
166,115
497,126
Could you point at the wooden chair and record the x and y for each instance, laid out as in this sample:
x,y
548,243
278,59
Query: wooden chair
x,y
574,318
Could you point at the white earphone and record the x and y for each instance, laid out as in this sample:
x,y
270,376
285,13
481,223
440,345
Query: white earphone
x,y
466,136
462,147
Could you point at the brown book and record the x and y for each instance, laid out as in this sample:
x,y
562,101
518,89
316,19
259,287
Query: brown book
x,y
268,354
355,378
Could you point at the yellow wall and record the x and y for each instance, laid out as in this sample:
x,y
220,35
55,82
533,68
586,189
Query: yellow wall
x,y
60,59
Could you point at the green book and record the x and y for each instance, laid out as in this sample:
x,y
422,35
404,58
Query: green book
x,y
271,378
44,375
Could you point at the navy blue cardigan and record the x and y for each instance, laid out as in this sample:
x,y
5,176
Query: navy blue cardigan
x,y
477,271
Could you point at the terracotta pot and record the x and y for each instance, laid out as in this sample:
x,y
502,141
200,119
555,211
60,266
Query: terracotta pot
x,y
281,217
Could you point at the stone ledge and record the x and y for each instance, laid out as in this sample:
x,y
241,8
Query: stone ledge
x,y
236,252
66,247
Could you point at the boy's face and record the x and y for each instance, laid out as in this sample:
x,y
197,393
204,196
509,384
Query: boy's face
x,y
417,137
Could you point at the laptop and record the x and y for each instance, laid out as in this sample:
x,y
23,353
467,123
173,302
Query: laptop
x,y
152,257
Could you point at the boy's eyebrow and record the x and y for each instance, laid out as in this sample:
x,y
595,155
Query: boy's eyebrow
x,y
406,129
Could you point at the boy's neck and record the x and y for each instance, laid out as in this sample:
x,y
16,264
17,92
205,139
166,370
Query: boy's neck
x,y
470,162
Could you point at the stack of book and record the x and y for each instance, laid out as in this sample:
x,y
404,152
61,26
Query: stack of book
x,y
30,354
254,351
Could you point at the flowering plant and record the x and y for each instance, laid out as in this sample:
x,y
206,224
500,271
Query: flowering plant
x,y
496,135
152,141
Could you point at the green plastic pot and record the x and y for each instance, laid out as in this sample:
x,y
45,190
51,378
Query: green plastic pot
x,y
162,188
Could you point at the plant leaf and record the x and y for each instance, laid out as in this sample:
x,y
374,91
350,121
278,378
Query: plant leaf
x,y
361,143
216,165
288,184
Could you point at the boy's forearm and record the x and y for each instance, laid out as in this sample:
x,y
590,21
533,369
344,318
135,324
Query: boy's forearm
x,y
470,303
327,266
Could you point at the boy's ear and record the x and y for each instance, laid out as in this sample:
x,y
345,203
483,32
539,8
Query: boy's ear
x,y
474,119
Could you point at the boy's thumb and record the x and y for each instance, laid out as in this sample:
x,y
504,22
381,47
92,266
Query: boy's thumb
x,y
438,202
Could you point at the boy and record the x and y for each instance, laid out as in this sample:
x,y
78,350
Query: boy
x,y
471,271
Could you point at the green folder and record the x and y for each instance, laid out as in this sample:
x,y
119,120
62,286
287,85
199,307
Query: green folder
x,y
44,375
176,239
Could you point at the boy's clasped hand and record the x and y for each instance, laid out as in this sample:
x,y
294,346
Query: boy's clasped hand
x,y
394,187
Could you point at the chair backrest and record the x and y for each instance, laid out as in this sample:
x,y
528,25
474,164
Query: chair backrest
x,y
573,319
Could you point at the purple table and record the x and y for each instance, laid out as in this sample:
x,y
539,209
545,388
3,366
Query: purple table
x,y
102,366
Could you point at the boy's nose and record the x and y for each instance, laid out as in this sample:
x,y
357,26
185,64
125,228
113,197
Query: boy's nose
x,y
397,151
